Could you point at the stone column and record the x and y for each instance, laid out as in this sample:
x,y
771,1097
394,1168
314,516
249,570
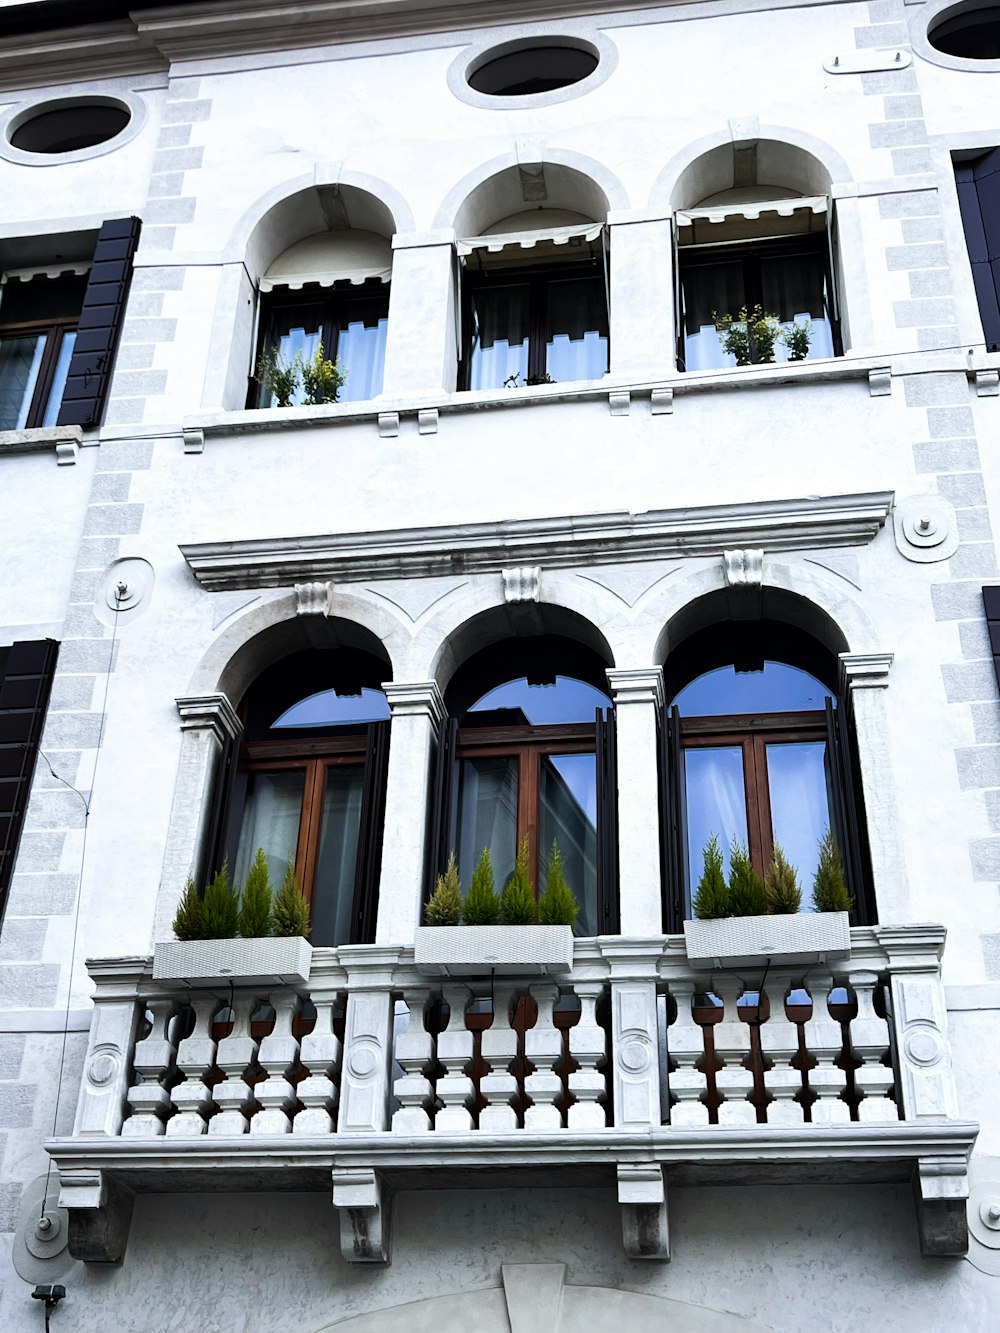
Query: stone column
x,y
100,1108
417,711
642,296
638,696
421,354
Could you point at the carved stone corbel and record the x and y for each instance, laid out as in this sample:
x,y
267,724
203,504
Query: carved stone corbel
x,y
940,1193
743,568
642,1195
313,599
365,1215
100,1214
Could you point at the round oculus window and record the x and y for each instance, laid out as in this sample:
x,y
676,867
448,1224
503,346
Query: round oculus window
x,y
69,126
972,34
533,69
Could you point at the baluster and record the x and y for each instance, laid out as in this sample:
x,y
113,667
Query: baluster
x,y
234,1096
454,1050
825,1039
278,1057
319,1051
588,1045
153,1063
196,1061
686,1048
499,1050
869,1043
732,1047
779,1041
543,1048
415,1056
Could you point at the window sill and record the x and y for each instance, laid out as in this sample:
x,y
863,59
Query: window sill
x,y
65,441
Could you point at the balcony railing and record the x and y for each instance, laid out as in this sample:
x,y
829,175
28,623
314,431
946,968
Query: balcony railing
x,y
631,1067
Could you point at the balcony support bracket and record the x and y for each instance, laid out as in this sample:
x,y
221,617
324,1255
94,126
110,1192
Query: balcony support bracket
x,y
100,1214
941,1193
365,1215
643,1198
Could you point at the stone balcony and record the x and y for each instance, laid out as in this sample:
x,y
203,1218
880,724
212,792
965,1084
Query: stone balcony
x,y
632,1070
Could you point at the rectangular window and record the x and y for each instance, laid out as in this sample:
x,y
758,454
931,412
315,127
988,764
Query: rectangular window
x,y
38,320
351,325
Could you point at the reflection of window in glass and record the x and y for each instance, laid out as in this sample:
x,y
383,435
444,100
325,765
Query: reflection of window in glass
x,y
37,334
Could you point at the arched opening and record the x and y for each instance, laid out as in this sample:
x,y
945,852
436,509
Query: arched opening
x,y
534,279
305,784
754,256
759,752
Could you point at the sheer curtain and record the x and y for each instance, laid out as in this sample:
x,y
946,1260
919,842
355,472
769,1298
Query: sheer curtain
x,y
716,803
487,816
800,805
576,334
361,352
499,336
270,820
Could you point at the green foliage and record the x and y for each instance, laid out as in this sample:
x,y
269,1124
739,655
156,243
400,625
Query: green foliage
x,y
557,906
322,379
797,340
829,886
711,899
517,902
445,905
290,915
749,335
781,885
255,904
277,377
482,906
746,888
188,917
219,908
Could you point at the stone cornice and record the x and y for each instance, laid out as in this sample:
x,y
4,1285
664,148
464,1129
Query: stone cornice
x,y
567,540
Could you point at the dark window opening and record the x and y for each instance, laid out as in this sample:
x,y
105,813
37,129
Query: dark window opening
x,y
973,35
69,127
535,69
38,322
978,184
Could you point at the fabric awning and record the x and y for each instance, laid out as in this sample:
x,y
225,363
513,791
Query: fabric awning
x,y
330,257
46,271
752,221
533,245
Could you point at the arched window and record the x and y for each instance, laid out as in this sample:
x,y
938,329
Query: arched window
x,y
307,785
528,752
759,752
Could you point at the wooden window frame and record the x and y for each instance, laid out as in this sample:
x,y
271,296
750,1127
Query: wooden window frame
x,y
54,331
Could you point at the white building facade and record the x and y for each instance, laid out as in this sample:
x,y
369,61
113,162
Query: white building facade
x,y
555,565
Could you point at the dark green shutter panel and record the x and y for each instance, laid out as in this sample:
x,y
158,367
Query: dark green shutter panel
x,y
26,671
444,802
850,826
100,324
607,822
979,200
369,862
673,855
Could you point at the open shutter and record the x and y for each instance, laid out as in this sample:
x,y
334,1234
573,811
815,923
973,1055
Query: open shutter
x,y
979,200
848,813
100,324
225,814
678,294
25,685
607,823
369,862
443,813
672,817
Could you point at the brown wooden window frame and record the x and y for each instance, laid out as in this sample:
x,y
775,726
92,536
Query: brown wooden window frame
x,y
54,330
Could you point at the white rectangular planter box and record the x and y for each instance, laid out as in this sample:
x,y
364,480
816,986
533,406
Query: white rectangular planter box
x,y
470,951
281,960
733,941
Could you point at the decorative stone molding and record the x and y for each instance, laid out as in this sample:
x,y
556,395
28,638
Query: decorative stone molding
x,y
620,402
365,1216
66,452
521,584
420,698
427,421
388,425
100,1214
194,440
880,382
313,599
661,402
864,671
65,440
643,1199
209,712
925,528
988,383
634,1041
812,523
636,685
743,569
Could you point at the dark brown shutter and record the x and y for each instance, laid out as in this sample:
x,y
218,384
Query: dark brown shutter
x,y
850,829
444,793
991,603
979,200
100,324
369,863
26,671
672,839
225,813
608,921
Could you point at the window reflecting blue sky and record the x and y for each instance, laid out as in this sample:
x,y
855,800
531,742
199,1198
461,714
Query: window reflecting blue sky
x,y
330,709
568,700
776,689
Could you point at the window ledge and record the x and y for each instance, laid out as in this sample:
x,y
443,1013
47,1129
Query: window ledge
x,y
66,441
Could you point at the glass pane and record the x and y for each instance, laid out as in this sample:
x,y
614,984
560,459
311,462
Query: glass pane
x,y
20,359
778,688
716,803
794,289
59,379
800,805
294,330
330,709
271,821
708,290
361,354
487,816
576,332
499,336
568,815
568,700
333,894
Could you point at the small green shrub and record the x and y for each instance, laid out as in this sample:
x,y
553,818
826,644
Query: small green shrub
x,y
781,885
255,903
277,377
557,906
188,923
322,379
711,898
482,906
290,915
518,906
797,340
746,888
220,908
444,907
749,335
829,885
